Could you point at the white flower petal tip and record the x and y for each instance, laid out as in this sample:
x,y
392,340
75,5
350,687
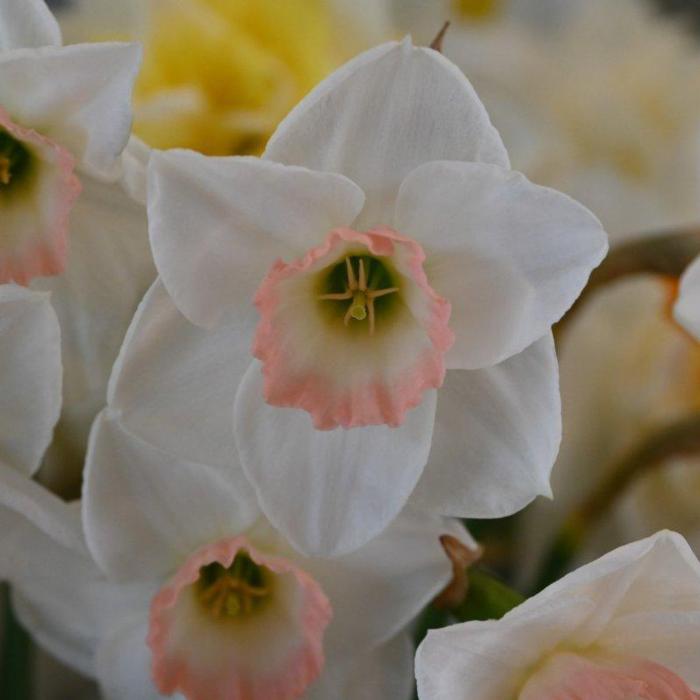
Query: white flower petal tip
x,y
236,623
687,308
362,300
27,24
511,256
38,189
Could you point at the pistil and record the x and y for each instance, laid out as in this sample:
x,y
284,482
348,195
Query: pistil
x,y
360,295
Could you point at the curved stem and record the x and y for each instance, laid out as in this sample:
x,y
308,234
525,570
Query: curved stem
x,y
666,253
681,438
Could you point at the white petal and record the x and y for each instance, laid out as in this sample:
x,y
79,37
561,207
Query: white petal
x,y
124,663
145,511
329,492
109,270
386,672
46,512
174,383
509,255
54,585
687,308
383,114
30,376
378,590
27,24
497,433
218,224
79,96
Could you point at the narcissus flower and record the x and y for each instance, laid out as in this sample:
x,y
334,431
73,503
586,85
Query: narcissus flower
x,y
60,108
65,118
621,627
687,307
381,241
181,586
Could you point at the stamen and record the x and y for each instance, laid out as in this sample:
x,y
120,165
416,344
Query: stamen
x,y
356,289
235,591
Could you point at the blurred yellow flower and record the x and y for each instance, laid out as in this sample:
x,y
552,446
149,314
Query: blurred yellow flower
x,y
219,75
478,9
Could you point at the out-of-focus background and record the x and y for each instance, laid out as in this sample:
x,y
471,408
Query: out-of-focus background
x,y
598,98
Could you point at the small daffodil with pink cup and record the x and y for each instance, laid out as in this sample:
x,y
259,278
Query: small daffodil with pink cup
x,y
66,224
395,283
626,626
175,584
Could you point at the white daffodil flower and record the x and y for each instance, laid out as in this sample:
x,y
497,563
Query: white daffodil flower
x,y
182,587
384,241
65,118
628,372
687,308
625,626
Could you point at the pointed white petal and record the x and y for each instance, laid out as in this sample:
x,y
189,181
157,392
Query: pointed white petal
x,y
218,224
27,24
78,96
174,383
328,491
510,256
497,434
383,114
30,376
146,511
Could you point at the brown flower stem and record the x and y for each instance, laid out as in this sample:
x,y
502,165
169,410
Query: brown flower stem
x,y
666,254
681,438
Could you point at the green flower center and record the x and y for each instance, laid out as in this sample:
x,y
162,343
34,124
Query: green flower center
x,y
238,591
360,288
15,160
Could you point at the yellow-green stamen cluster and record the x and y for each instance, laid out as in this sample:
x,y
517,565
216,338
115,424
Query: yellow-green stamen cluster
x,y
236,591
360,292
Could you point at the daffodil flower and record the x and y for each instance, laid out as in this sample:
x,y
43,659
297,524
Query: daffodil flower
x,y
380,249
175,583
67,226
620,627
